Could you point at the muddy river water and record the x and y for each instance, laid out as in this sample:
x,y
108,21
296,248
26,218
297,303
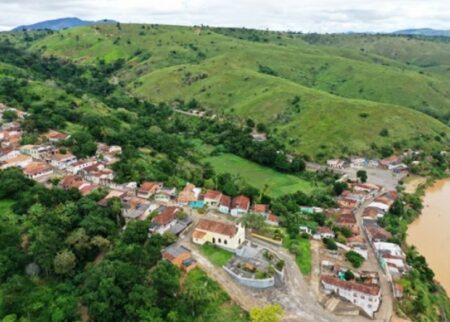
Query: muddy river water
x,y
430,233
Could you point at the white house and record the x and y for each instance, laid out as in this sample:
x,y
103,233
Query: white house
x,y
20,161
79,165
379,205
358,162
62,161
165,194
164,221
365,296
240,206
36,151
323,232
212,198
226,235
36,170
391,257
224,205
9,155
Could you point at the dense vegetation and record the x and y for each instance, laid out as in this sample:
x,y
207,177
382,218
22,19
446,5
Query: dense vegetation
x,y
64,256
318,97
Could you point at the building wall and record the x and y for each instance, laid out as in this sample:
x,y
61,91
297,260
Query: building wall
x,y
223,240
224,209
252,282
368,303
238,212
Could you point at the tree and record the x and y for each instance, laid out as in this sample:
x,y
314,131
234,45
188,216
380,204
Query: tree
x,y
136,232
298,165
354,258
269,313
362,175
330,244
64,262
253,221
384,132
348,275
339,187
82,144
9,115
165,279
250,123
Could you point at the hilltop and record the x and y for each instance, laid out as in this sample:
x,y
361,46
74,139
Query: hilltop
x,y
62,23
321,95
429,32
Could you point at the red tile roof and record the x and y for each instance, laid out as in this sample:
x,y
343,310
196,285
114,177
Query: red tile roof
x,y
149,187
225,201
346,219
324,230
241,202
273,218
348,285
166,217
36,168
213,194
261,208
217,227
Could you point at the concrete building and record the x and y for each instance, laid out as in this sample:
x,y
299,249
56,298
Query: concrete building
x,y
365,296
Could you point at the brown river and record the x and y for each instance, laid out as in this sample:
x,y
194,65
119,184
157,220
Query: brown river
x,y
430,233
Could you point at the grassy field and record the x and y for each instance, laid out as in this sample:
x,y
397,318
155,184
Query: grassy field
x,y
216,255
273,183
220,309
337,79
301,247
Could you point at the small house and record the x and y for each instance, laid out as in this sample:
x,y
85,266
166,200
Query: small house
x,y
179,256
148,189
224,205
240,206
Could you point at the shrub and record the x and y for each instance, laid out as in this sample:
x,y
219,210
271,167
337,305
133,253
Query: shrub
x,y
384,132
330,244
279,265
354,258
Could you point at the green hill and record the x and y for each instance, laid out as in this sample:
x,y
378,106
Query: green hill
x,y
320,95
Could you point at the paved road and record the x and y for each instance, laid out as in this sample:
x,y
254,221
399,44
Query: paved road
x,y
385,311
296,295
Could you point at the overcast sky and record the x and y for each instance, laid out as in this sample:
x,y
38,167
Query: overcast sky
x,y
297,15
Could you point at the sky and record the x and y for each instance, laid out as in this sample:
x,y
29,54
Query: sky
x,y
324,16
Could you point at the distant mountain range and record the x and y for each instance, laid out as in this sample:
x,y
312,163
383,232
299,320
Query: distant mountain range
x,y
423,32
61,23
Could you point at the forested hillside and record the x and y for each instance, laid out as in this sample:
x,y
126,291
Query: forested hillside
x,y
312,92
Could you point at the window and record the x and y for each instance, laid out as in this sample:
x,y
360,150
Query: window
x,y
225,241
363,297
219,241
239,240
214,240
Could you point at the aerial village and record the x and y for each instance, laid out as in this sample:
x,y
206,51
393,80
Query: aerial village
x,y
197,217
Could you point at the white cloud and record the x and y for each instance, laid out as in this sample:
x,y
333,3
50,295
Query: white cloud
x,y
299,15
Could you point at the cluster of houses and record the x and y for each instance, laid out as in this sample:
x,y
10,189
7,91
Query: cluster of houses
x,y
236,207
366,294
393,163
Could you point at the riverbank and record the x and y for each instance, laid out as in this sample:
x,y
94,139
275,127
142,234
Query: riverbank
x,y
434,221
423,298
